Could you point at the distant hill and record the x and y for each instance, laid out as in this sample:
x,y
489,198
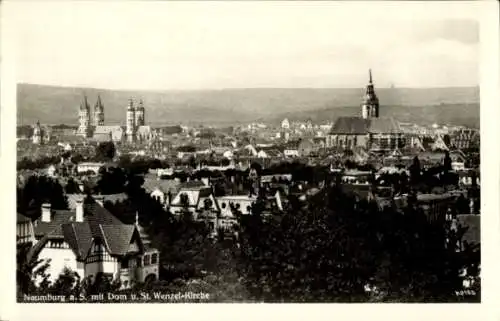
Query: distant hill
x,y
454,114
59,105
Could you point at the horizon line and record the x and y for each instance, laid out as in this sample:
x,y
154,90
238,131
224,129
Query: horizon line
x,y
236,88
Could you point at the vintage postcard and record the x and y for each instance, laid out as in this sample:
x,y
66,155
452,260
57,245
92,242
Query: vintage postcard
x,y
245,152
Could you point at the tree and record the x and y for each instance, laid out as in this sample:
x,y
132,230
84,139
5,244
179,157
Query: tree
x,y
447,162
105,151
29,269
415,171
112,181
72,187
66,283
39,190
335,247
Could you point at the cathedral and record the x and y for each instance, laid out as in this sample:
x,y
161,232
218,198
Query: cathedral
x,y
369,132
91,124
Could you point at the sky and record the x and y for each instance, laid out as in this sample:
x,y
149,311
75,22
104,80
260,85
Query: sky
x,y
215,45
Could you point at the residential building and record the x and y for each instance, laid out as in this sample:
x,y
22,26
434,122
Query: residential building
x,y
90,240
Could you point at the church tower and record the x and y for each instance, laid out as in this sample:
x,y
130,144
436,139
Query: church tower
x,y
139,115
84,118
370,107
37,134
98,112
130,131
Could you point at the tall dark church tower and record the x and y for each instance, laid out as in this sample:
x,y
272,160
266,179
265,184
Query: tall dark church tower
x,y
370,106
98,112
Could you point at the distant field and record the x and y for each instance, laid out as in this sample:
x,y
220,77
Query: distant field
x,y
59,105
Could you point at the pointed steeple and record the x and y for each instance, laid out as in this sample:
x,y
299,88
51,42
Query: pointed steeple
x,y
370,107
98,103
84,104
137,218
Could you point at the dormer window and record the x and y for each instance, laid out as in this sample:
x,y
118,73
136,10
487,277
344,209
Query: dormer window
x,y
154,258
147,260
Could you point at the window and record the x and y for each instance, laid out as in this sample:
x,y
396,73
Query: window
x,y
147,260
223,205
154,258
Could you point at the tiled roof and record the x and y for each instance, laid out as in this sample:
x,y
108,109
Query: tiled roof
x,y
97,215
98,223
79,238
384,126
360,126
53,228
117,237
350,125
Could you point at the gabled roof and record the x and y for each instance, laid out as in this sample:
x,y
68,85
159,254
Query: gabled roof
x,y
350,125
193,194
164,185
117,237
79,238
97,215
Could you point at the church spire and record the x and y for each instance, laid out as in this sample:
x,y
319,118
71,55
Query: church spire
x,y
98,112
370,107
84,105
98,103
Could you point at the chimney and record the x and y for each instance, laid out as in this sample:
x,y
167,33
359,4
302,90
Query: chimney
x,y
99,199
79,210
46,212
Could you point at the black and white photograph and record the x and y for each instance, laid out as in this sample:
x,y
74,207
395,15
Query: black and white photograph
x,y
247,152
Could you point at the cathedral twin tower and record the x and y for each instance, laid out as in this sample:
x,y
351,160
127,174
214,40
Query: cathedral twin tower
x,y
89,123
